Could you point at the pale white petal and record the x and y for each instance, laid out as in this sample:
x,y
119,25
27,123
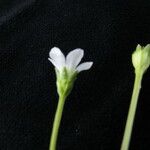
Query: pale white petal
x,y
58,57
84,66
73,58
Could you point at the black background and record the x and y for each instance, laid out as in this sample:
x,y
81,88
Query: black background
x,y
95,112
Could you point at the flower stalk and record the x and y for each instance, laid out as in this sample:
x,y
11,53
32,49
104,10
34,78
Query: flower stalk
x,y
57,122
132,111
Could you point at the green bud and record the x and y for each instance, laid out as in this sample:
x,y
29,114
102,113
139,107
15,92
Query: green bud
x,y
141,58
65,81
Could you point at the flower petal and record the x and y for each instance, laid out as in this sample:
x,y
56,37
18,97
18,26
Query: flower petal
x,y
73,58
84,66
53,62
58,58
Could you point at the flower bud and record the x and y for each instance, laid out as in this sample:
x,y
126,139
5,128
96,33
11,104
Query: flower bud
x,y
141,58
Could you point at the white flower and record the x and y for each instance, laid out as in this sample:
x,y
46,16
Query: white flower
x,y
71,62
67,68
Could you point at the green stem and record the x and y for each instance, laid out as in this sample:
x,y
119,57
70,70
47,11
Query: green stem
x,y
132,111
56,123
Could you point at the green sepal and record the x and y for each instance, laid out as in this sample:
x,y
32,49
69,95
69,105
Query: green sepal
x,y
65,81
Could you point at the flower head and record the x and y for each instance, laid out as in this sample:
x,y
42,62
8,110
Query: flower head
x,y
141,58
71,62
67,67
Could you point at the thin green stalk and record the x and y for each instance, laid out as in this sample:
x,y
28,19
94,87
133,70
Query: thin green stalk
x,y
132,111
56,123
